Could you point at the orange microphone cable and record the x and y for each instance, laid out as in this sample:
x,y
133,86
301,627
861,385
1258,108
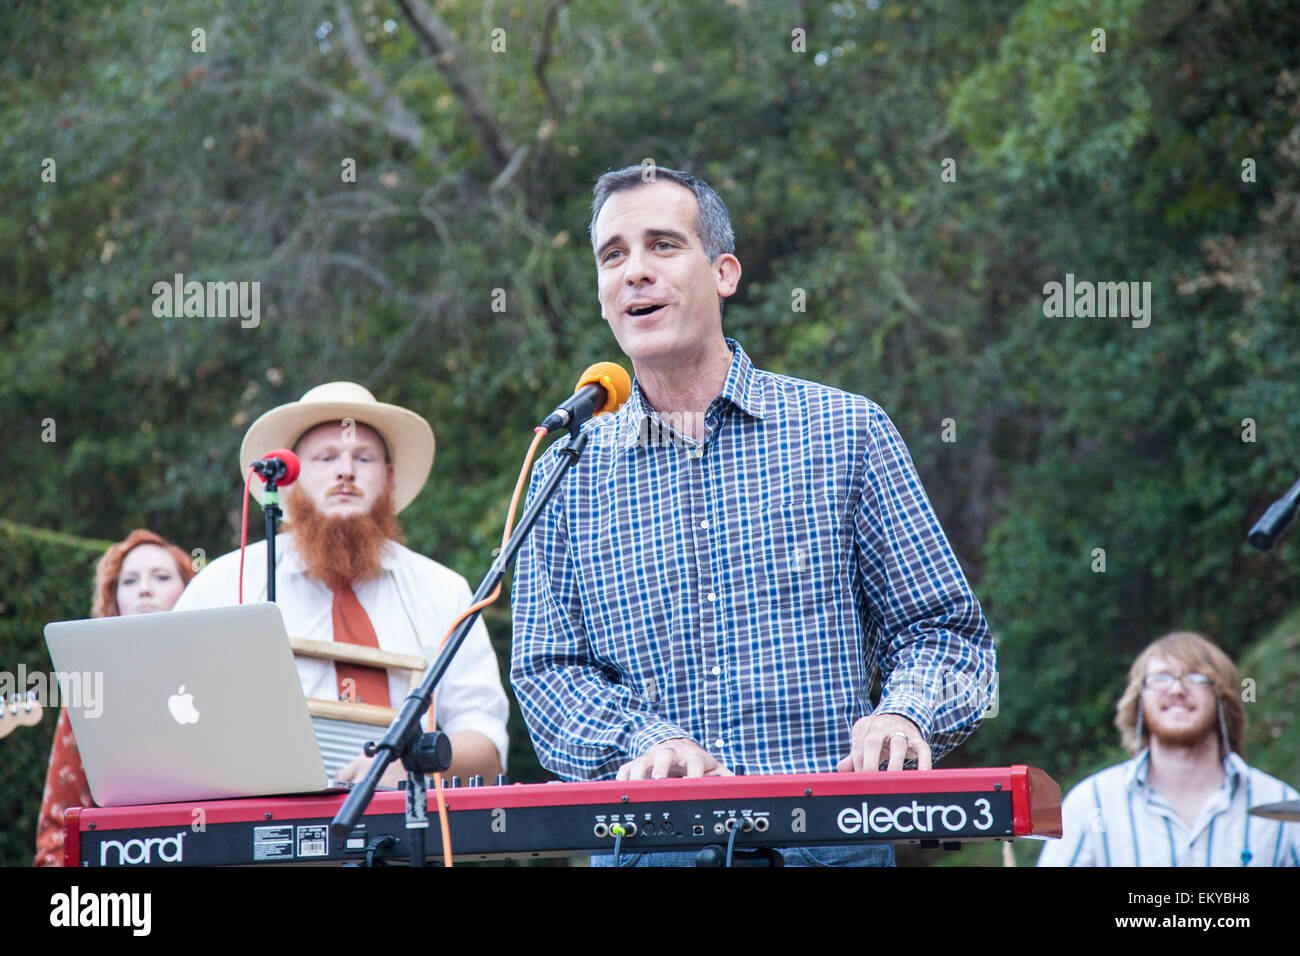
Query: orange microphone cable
x,y
618,386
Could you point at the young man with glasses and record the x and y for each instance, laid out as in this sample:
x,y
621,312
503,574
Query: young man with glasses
x,y
1182,799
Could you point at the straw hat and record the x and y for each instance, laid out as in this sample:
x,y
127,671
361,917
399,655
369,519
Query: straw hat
x,y
409,437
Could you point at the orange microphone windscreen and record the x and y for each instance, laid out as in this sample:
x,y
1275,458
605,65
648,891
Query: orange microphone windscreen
x,y
618,384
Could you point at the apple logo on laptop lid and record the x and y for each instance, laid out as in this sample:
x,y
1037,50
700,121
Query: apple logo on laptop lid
x,y
181,706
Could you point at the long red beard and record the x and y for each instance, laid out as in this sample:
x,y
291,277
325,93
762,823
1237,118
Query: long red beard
x,y
347,550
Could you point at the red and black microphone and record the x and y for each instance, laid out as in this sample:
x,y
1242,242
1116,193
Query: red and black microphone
x,y
280,466
276,468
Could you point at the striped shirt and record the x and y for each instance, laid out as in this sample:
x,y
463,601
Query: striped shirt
x,y
1114,818
742,591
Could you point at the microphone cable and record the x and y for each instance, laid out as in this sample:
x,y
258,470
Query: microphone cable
x,y
731,841
618,830
243,532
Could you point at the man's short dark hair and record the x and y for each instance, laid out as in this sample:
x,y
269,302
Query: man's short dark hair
x,y
712,224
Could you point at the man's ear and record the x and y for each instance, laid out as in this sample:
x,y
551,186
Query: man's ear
x,y
727,270
391,473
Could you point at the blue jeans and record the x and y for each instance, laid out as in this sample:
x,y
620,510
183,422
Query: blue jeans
x,y
868,854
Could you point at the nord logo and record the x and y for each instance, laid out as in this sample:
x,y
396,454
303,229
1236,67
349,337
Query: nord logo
x,y
132,852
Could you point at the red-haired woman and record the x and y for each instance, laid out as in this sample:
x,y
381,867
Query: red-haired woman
x,y
142,574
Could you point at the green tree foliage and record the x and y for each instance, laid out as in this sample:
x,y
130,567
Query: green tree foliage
x,y
1137,434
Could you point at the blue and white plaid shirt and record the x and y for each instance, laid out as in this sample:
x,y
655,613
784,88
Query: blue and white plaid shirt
x,y
742,591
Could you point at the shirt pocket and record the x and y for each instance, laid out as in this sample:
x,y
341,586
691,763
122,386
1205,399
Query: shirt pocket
x,y
801,543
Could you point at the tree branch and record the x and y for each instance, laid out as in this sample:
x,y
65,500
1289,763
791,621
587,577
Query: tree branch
x,y
397,119
544,56
372,272
503,178
350,106
459,74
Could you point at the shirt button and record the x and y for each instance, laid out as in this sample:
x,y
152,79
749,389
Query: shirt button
x,y
718,743
716,670
705,523
712,596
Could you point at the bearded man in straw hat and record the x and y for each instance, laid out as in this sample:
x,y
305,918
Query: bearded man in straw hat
x,y
342,573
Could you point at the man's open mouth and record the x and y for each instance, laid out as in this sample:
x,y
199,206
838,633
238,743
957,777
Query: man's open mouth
x,y
644,309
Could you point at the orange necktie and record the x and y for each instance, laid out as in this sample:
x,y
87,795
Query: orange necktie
x,y
352,626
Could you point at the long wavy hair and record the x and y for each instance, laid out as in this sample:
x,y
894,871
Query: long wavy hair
x,y
109,569
1198,654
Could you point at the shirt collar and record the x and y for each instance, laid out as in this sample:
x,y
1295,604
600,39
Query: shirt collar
x,y
1233,768
743,388
1137,773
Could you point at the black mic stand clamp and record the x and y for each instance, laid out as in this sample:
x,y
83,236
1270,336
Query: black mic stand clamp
x,y
422,754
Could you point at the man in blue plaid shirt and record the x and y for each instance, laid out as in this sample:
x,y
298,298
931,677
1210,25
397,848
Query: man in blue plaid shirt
x,y
717,582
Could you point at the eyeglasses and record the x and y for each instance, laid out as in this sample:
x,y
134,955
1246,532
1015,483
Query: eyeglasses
x,y
1167,681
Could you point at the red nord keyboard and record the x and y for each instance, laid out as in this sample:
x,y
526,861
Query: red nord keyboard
x,y
545,819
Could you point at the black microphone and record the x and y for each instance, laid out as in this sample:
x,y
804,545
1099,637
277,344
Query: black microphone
x,y
602,388
1279,514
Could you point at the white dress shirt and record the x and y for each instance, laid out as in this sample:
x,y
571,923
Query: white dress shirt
x,y
410,605
1113,818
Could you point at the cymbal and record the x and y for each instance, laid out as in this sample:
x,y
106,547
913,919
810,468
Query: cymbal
x,y
1286,810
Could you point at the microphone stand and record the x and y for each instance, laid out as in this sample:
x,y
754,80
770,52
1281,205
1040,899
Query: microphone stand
x,y
1275,520
424,753
271,514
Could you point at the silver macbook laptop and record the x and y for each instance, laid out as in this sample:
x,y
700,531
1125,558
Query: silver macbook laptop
x,y
194,705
